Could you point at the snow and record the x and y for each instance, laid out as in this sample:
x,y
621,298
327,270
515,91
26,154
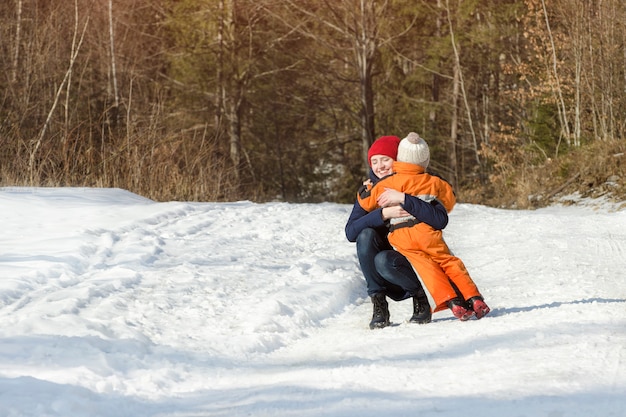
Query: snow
x,y
113,305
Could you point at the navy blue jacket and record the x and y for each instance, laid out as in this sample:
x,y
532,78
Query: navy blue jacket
x,y
434,214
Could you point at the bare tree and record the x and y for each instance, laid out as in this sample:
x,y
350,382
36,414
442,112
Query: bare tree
x,y
18,39
350,31
454,125
235,49
565,129
116,99
458,93
76,44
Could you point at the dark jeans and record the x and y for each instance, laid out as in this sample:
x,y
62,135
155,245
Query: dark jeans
x,y
385,270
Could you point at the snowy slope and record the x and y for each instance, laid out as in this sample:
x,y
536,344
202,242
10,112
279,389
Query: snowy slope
x,y
112,305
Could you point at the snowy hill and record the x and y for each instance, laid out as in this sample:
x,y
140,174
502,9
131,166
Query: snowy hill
x,y
112,305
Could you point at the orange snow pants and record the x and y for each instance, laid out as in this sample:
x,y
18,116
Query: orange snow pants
x,y
431,258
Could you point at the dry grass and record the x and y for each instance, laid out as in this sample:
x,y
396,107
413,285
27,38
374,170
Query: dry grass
x,y
191,166
183,167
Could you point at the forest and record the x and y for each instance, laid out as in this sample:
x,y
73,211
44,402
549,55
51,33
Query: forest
x,y
520,101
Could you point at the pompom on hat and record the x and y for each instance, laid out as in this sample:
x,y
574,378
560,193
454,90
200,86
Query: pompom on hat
x,y
414,150
384,145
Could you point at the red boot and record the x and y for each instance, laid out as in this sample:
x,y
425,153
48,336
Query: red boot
x,y
479,306
460,310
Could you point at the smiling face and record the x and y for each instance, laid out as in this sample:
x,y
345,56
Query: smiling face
x,y
381,165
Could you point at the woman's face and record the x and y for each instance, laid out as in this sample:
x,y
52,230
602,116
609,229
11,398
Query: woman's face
x,y
381,165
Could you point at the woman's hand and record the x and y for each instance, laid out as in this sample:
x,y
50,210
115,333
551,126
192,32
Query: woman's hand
x,y
390,197
394,212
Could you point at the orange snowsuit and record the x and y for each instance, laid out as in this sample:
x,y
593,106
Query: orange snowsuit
x,y
417,240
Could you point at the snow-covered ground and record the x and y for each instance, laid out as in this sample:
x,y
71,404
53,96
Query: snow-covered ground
x,y
112,305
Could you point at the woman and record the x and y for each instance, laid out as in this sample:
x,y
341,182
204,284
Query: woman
x,y
387,272
415,239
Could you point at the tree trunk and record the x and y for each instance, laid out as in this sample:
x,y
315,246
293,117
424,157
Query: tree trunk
x,y
557,89
436,83
458,79
219,75
18,36
365,50
454,126
367,100
233,87
116,99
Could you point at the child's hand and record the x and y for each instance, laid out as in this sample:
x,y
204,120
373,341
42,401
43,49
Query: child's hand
x,y
394,212
390,197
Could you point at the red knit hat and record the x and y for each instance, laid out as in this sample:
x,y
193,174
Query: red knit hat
x,y
384,145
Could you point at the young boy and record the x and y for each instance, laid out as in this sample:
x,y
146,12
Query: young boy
x,y
416,239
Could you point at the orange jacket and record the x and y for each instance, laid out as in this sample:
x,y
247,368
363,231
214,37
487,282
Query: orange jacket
x,y
421,244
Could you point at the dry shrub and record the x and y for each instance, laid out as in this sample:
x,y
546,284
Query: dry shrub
x,y
179,167
595,170
521,180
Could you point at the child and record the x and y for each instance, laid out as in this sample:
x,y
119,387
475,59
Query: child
x,y
416,239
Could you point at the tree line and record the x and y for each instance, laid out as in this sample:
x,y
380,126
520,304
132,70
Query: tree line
x,y
214,100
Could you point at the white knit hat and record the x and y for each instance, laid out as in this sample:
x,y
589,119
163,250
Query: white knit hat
x,y
414,150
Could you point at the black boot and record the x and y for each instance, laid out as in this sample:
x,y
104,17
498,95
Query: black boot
x,y
380,318
421,311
